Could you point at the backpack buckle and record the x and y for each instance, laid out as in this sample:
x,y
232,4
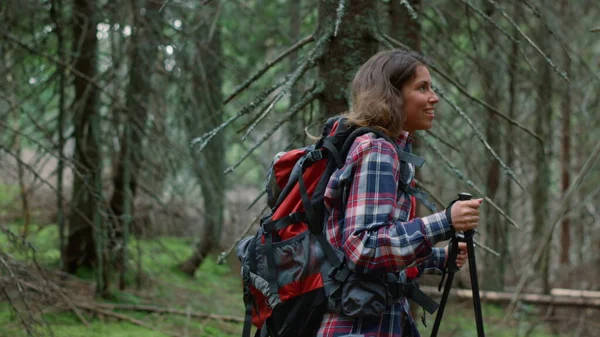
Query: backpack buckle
x,y
315,155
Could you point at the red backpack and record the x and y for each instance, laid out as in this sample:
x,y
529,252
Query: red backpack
x,y
291,273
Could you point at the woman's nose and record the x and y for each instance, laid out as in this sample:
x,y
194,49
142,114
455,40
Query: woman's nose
x,y
434,99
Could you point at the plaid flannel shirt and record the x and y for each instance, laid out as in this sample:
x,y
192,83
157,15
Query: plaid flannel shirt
x,y
367,217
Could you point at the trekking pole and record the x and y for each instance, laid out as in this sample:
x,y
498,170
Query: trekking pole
x,y
467,237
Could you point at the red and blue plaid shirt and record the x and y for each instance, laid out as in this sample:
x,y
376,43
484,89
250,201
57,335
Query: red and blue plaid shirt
x,y
371,225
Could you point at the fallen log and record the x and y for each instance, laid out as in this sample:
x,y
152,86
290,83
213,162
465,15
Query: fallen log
x,y
149,308
503,297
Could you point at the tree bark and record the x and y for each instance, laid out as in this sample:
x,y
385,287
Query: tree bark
x,y
209,164
80,249
353,45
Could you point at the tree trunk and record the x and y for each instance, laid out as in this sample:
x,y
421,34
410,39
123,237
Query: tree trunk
x,y
495,229
56,14
296,125
509,145
403,27
80,249
566,157
353,45
541,183
145,49
206,115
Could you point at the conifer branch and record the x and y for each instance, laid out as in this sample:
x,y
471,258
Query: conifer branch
x,y
267,66
507,169
464,178
293,111
512,22
340,12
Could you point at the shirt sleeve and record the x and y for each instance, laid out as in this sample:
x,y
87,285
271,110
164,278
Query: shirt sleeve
x,y
435,263
372,237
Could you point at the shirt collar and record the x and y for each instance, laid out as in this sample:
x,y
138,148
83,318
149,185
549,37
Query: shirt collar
x,y
404,140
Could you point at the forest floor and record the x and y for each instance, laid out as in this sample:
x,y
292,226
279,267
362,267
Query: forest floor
x,y
206,305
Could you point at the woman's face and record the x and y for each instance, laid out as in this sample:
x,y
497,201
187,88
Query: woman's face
x,y
419,101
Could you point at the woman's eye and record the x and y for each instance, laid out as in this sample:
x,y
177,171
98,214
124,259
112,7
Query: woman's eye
x,y
423,88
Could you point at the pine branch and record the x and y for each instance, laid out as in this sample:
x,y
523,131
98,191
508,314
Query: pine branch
x,y
267,66
512,22
340,12
293,111
463,177
559,215
507,169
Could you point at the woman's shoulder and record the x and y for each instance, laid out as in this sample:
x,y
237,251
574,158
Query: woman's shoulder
x,y
369,144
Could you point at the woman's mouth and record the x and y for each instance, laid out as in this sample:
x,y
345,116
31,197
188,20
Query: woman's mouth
x,y
430,112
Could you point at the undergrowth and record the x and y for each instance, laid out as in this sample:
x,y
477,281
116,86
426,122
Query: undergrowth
x,y
215,289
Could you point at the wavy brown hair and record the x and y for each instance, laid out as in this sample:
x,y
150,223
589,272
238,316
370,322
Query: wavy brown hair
x,y
377,90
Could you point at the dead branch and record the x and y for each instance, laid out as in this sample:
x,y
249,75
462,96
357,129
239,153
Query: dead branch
x,y
148,308
340,12
99,310
504,297
293,111
597,29
393,42
503,31
439,202
507,169
267,66
463,177
310,60
546,238
202,141
512,22
223,256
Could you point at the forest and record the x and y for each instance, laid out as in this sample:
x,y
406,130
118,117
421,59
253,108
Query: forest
x,y
136,135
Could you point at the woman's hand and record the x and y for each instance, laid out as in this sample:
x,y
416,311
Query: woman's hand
x,y
462,254
465,214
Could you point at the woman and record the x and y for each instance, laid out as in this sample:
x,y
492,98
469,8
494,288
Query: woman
x,y
369,220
